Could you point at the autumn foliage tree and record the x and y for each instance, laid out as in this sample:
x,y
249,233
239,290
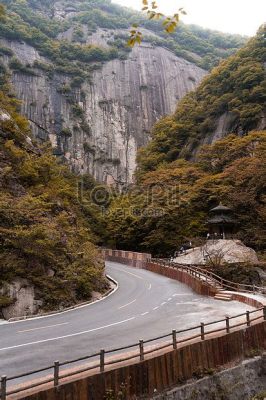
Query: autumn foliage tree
x,y
169,206
45,235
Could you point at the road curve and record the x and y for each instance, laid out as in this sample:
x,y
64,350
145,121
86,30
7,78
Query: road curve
x,y
145,305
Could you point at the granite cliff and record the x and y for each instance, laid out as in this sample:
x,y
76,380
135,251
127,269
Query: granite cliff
x,y
122,101
98,121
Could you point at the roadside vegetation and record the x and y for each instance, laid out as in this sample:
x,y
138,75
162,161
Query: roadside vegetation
x,y
46,235
169,206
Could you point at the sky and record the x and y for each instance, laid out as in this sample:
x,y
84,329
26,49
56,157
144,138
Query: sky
x,y
231,16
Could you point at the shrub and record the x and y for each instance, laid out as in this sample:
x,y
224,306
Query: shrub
x,y
16,65
77,111
66,132
5,51
88,148
77,81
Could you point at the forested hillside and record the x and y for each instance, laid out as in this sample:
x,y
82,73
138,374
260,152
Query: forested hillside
x,y
179,178
33,21
231,99
45,233
169,206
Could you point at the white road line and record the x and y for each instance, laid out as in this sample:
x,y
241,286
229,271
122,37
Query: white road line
x,y
149,288
163,303
155,308
67,336
67,311
42,327
137,276
127,272
128,304
170,298
145,313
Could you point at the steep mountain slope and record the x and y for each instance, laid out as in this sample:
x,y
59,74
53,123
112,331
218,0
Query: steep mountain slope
x,y
47,256
169,206
230,100
170,202
81,87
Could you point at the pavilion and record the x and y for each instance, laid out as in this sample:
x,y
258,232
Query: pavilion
x,y
221,223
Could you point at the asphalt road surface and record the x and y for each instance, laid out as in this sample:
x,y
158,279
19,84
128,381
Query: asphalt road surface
x,y
144,306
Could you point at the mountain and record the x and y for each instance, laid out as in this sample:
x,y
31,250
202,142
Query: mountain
x,y
81,87
212,149
48,258
231,99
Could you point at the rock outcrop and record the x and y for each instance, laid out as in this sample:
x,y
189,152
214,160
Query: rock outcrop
x,y
120,104
219,252
245,381
24,299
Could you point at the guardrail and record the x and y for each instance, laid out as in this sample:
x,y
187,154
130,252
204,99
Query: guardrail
x,y
175,339
204,274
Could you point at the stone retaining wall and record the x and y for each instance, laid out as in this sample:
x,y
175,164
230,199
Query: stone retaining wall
x,y
248,300
138,260
196,284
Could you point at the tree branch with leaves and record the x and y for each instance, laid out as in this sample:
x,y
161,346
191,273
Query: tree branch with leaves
x,y
150,8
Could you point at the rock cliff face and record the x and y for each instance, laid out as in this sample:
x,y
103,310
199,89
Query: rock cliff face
x,y
23,294
116,109
219,251
245,381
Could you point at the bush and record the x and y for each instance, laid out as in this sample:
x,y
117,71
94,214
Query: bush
x,y
77,111
5,51
77,81
17,66
66,132
88,148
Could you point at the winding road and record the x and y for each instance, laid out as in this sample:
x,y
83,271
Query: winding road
x,y
145,305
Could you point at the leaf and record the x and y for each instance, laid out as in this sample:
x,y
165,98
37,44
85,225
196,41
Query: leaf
x,y
182,11
131,42
158,15
151,14
145,8
166,21
145,2
170,28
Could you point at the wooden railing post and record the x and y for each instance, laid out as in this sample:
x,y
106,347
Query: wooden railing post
x,y
248,318
227,321
174,339
202,333
141,350
102,354
56,373
3,387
